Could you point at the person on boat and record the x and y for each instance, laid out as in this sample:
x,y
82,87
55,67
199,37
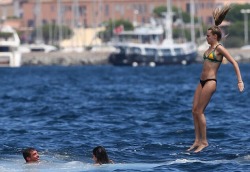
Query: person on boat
x,y
30,155
100,156
213,57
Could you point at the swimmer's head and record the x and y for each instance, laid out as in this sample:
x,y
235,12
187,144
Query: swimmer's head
x,y
30,155
100,155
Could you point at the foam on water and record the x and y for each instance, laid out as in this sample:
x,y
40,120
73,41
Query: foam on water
x,y
14,164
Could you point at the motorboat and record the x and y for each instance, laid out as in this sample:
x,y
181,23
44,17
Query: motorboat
x,y
150,47
134,54
10,56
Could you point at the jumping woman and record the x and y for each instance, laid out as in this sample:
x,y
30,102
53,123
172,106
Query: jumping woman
x,y
212,60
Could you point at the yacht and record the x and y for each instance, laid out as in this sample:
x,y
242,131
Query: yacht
x,y
134,54
150,47
146,46
10,56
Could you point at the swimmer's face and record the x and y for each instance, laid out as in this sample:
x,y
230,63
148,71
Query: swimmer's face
x,y
94,158
34,157
211,37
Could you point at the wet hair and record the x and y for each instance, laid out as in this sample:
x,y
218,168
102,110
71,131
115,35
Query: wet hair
x,y
219,15
101,155
27,152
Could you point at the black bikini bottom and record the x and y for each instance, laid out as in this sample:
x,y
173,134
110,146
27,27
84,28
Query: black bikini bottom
x,y
203,82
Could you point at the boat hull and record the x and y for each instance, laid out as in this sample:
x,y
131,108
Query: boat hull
x,y
123,59
10,59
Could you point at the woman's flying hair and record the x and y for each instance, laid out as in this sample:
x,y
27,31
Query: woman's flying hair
x,y
220,13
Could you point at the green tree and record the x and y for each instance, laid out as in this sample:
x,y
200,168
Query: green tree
x,y
236,28
178,13
234,14
160,10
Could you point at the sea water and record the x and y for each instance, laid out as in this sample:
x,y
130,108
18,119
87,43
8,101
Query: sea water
x,y
142,116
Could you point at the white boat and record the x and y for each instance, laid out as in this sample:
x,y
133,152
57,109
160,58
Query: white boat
x,y
134,54
38,47
146,49
149,50
10,56
42,48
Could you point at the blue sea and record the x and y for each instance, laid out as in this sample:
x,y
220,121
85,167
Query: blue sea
x,y
142,116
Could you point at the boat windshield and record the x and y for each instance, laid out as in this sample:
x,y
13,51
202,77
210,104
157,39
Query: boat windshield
x,y
166,52
135,50
151,51
4,49
178,51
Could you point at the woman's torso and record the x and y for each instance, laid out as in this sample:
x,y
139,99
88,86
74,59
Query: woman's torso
x,y
212,61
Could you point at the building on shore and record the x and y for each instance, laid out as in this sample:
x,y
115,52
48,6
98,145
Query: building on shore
x,y
91,13
25,15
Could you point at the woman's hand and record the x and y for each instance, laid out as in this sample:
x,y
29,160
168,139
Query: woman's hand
x,y
241,86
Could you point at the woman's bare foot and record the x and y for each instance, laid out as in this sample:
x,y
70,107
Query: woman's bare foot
x,y
196,144
201,147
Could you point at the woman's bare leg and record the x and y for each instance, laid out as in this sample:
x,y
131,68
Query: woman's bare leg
x,y
203,141
205,96
195,118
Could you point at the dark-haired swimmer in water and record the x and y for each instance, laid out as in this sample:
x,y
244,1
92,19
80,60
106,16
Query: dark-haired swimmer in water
x,y
100,156
207,86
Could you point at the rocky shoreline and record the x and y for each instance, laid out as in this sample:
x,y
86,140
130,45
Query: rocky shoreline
x,y
98,58
64,59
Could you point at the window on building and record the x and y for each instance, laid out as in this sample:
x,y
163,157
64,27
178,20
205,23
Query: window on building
x,y
151,8
188,7
52,8
145,8
209,5
107,10
202,5
31,23
210,20
122,10
143,20
44,22
140,8
117,8
68,9
82,10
